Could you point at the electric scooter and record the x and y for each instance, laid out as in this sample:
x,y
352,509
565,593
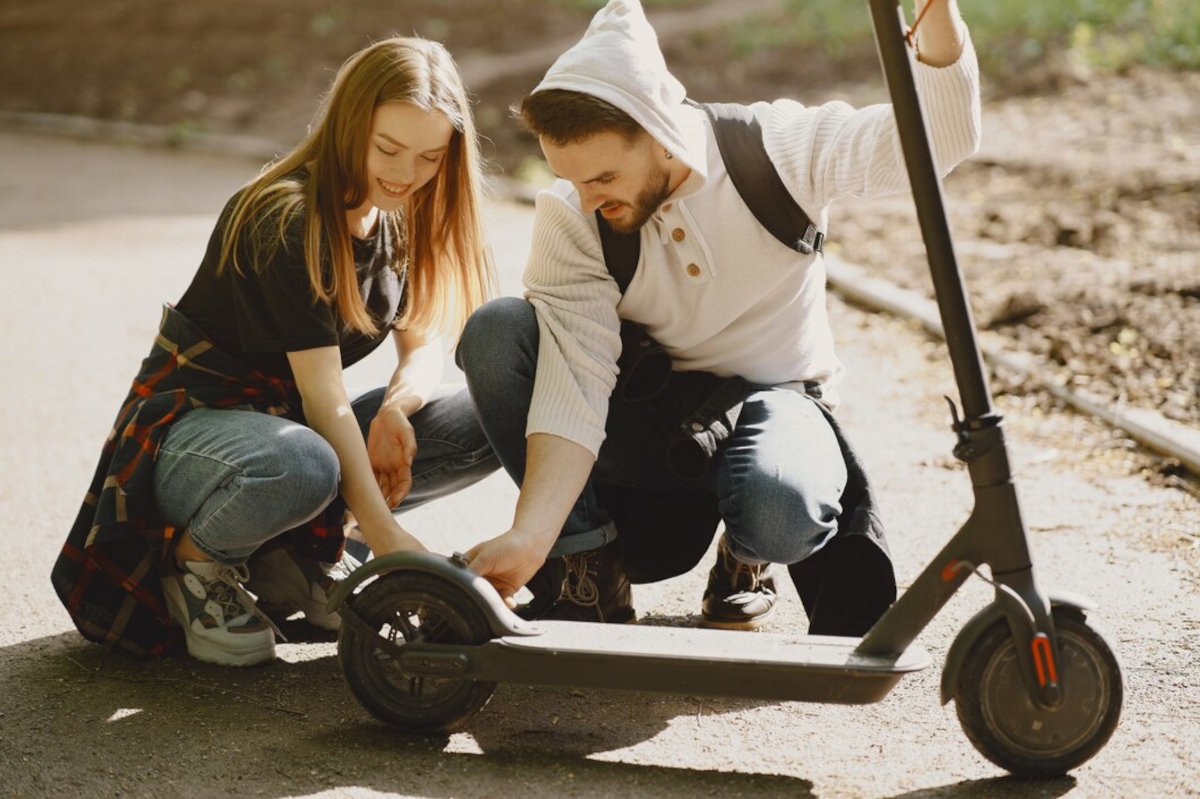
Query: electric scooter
x,y
424,640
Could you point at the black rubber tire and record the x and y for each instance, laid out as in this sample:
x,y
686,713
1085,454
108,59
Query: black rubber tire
x,y
1028,740
433,611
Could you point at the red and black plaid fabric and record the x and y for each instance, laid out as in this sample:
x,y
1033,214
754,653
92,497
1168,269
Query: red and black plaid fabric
x,y
109,574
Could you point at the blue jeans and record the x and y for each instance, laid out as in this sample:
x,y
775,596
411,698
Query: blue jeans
x,y
238,478
778,480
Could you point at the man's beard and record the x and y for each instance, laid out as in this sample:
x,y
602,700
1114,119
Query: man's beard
x,y
645,204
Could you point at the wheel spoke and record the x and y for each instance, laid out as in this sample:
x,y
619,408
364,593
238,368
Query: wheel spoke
x,y
410,631
435,629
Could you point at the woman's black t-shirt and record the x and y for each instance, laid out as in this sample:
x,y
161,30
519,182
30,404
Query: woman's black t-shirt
x,y
261,315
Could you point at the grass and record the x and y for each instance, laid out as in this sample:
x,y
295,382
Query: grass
x,y
1020,43
1110,35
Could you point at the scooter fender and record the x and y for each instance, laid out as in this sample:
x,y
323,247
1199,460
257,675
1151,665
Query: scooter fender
x,y
501,620
981,621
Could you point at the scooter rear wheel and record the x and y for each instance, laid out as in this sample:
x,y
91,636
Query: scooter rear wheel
x,y
409,607
1016,733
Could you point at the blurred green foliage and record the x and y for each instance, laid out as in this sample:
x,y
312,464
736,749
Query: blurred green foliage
x,y
1100,34
1104,34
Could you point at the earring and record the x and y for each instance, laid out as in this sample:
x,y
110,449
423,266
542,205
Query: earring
x,y
668,154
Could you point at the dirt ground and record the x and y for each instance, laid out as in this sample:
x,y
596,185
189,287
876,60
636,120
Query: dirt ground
x,y
77,723
1078,226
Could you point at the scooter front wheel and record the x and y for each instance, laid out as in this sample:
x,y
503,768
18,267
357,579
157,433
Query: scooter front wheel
x,y
411,607
1015,732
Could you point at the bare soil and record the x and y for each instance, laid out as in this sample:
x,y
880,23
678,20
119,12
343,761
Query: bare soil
x,y
117,234
1077,226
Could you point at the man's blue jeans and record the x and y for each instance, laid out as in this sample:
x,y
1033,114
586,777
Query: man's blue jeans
x,y
238,478
778,480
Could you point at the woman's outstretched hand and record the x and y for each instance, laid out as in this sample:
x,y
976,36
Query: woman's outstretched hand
x,y
392,447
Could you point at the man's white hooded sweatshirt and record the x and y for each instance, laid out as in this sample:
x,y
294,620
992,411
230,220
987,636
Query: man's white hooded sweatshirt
x,y
712,286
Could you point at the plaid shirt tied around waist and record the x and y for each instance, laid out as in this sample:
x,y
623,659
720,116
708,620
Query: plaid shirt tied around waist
x,y
109,572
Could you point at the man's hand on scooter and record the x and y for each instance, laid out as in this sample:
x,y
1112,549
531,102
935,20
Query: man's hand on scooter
x,y
507,561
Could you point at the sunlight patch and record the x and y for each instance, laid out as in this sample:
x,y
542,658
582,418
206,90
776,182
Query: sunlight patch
x,y
124,713
463,743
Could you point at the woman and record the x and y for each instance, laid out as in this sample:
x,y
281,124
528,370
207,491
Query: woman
x,y
239,428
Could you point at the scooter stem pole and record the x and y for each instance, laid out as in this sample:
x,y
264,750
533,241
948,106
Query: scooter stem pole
x,y
890,27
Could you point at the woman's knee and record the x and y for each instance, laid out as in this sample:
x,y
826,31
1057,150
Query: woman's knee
x,y
305,466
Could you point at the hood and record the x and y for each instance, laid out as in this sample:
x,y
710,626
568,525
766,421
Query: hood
x,y
619,61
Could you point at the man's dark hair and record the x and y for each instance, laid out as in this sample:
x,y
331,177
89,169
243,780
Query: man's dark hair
x,y
564,117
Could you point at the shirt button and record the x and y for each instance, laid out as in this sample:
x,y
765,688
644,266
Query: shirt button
x,y
693,270
678,234
667,208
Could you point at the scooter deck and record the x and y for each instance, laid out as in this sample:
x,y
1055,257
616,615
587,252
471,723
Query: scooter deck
x,y
674,660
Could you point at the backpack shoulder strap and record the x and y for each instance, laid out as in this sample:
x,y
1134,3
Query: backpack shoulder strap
x,y
739,138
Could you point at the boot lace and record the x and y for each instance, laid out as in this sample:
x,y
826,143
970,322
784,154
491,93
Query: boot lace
x,y
745,577
578,586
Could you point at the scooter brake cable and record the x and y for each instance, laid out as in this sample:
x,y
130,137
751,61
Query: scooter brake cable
x,y
966,564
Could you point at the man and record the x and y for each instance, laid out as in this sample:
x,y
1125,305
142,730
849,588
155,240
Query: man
x,y
722,296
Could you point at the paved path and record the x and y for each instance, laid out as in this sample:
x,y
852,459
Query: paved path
x,y
93,238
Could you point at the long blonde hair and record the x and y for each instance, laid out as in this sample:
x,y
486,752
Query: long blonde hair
x,y
439,231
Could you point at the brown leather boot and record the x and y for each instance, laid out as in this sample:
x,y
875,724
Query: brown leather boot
x,y
739,596
587,586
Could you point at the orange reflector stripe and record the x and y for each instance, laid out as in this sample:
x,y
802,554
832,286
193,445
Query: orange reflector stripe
x,y
1043,659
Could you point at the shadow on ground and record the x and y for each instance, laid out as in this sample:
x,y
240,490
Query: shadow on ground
x,y
81,721
78,720
998,788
